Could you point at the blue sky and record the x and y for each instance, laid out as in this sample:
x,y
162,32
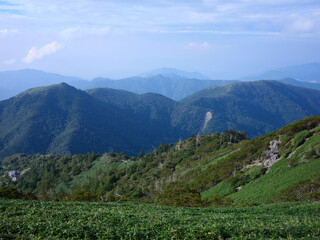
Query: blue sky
x,y
220,38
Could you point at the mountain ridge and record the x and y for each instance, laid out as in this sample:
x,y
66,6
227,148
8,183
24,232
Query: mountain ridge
x,y
173,86
268,105
172,72
173,83
65,120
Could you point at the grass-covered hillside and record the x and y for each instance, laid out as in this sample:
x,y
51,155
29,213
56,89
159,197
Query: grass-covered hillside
x,y
219,169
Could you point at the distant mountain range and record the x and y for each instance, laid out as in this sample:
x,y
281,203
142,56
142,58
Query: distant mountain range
x,y
172,83
172,86
172,72
14,82
61,119
305,73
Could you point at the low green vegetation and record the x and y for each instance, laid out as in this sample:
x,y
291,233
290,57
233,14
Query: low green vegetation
x,y
76,220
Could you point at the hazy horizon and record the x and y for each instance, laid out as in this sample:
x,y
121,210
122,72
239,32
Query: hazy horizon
x,y
220,39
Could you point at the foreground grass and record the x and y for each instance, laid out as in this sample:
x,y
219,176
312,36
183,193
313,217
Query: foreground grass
x,y
74,220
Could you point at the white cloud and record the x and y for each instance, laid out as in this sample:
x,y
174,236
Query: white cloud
x,y
35,53
9,62
198,46
307,24
5,32
84,31
302,26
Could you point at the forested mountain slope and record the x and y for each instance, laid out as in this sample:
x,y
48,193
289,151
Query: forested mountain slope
x,y
160,109
256,107
63,120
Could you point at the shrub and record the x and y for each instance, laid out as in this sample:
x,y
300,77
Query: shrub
x,y
300,138
178,194
82,196
305,190
218,201
12,193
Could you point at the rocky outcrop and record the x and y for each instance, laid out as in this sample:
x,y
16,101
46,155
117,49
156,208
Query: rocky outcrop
x,y
13,175
272,155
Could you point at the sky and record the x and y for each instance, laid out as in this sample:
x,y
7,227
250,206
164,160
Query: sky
x,y
224,39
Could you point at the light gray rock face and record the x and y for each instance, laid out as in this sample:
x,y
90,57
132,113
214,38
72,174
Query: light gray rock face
x,y
272,155
207,118
13,175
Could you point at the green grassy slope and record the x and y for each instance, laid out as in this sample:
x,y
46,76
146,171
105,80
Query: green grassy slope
x,y
278,179
305,165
